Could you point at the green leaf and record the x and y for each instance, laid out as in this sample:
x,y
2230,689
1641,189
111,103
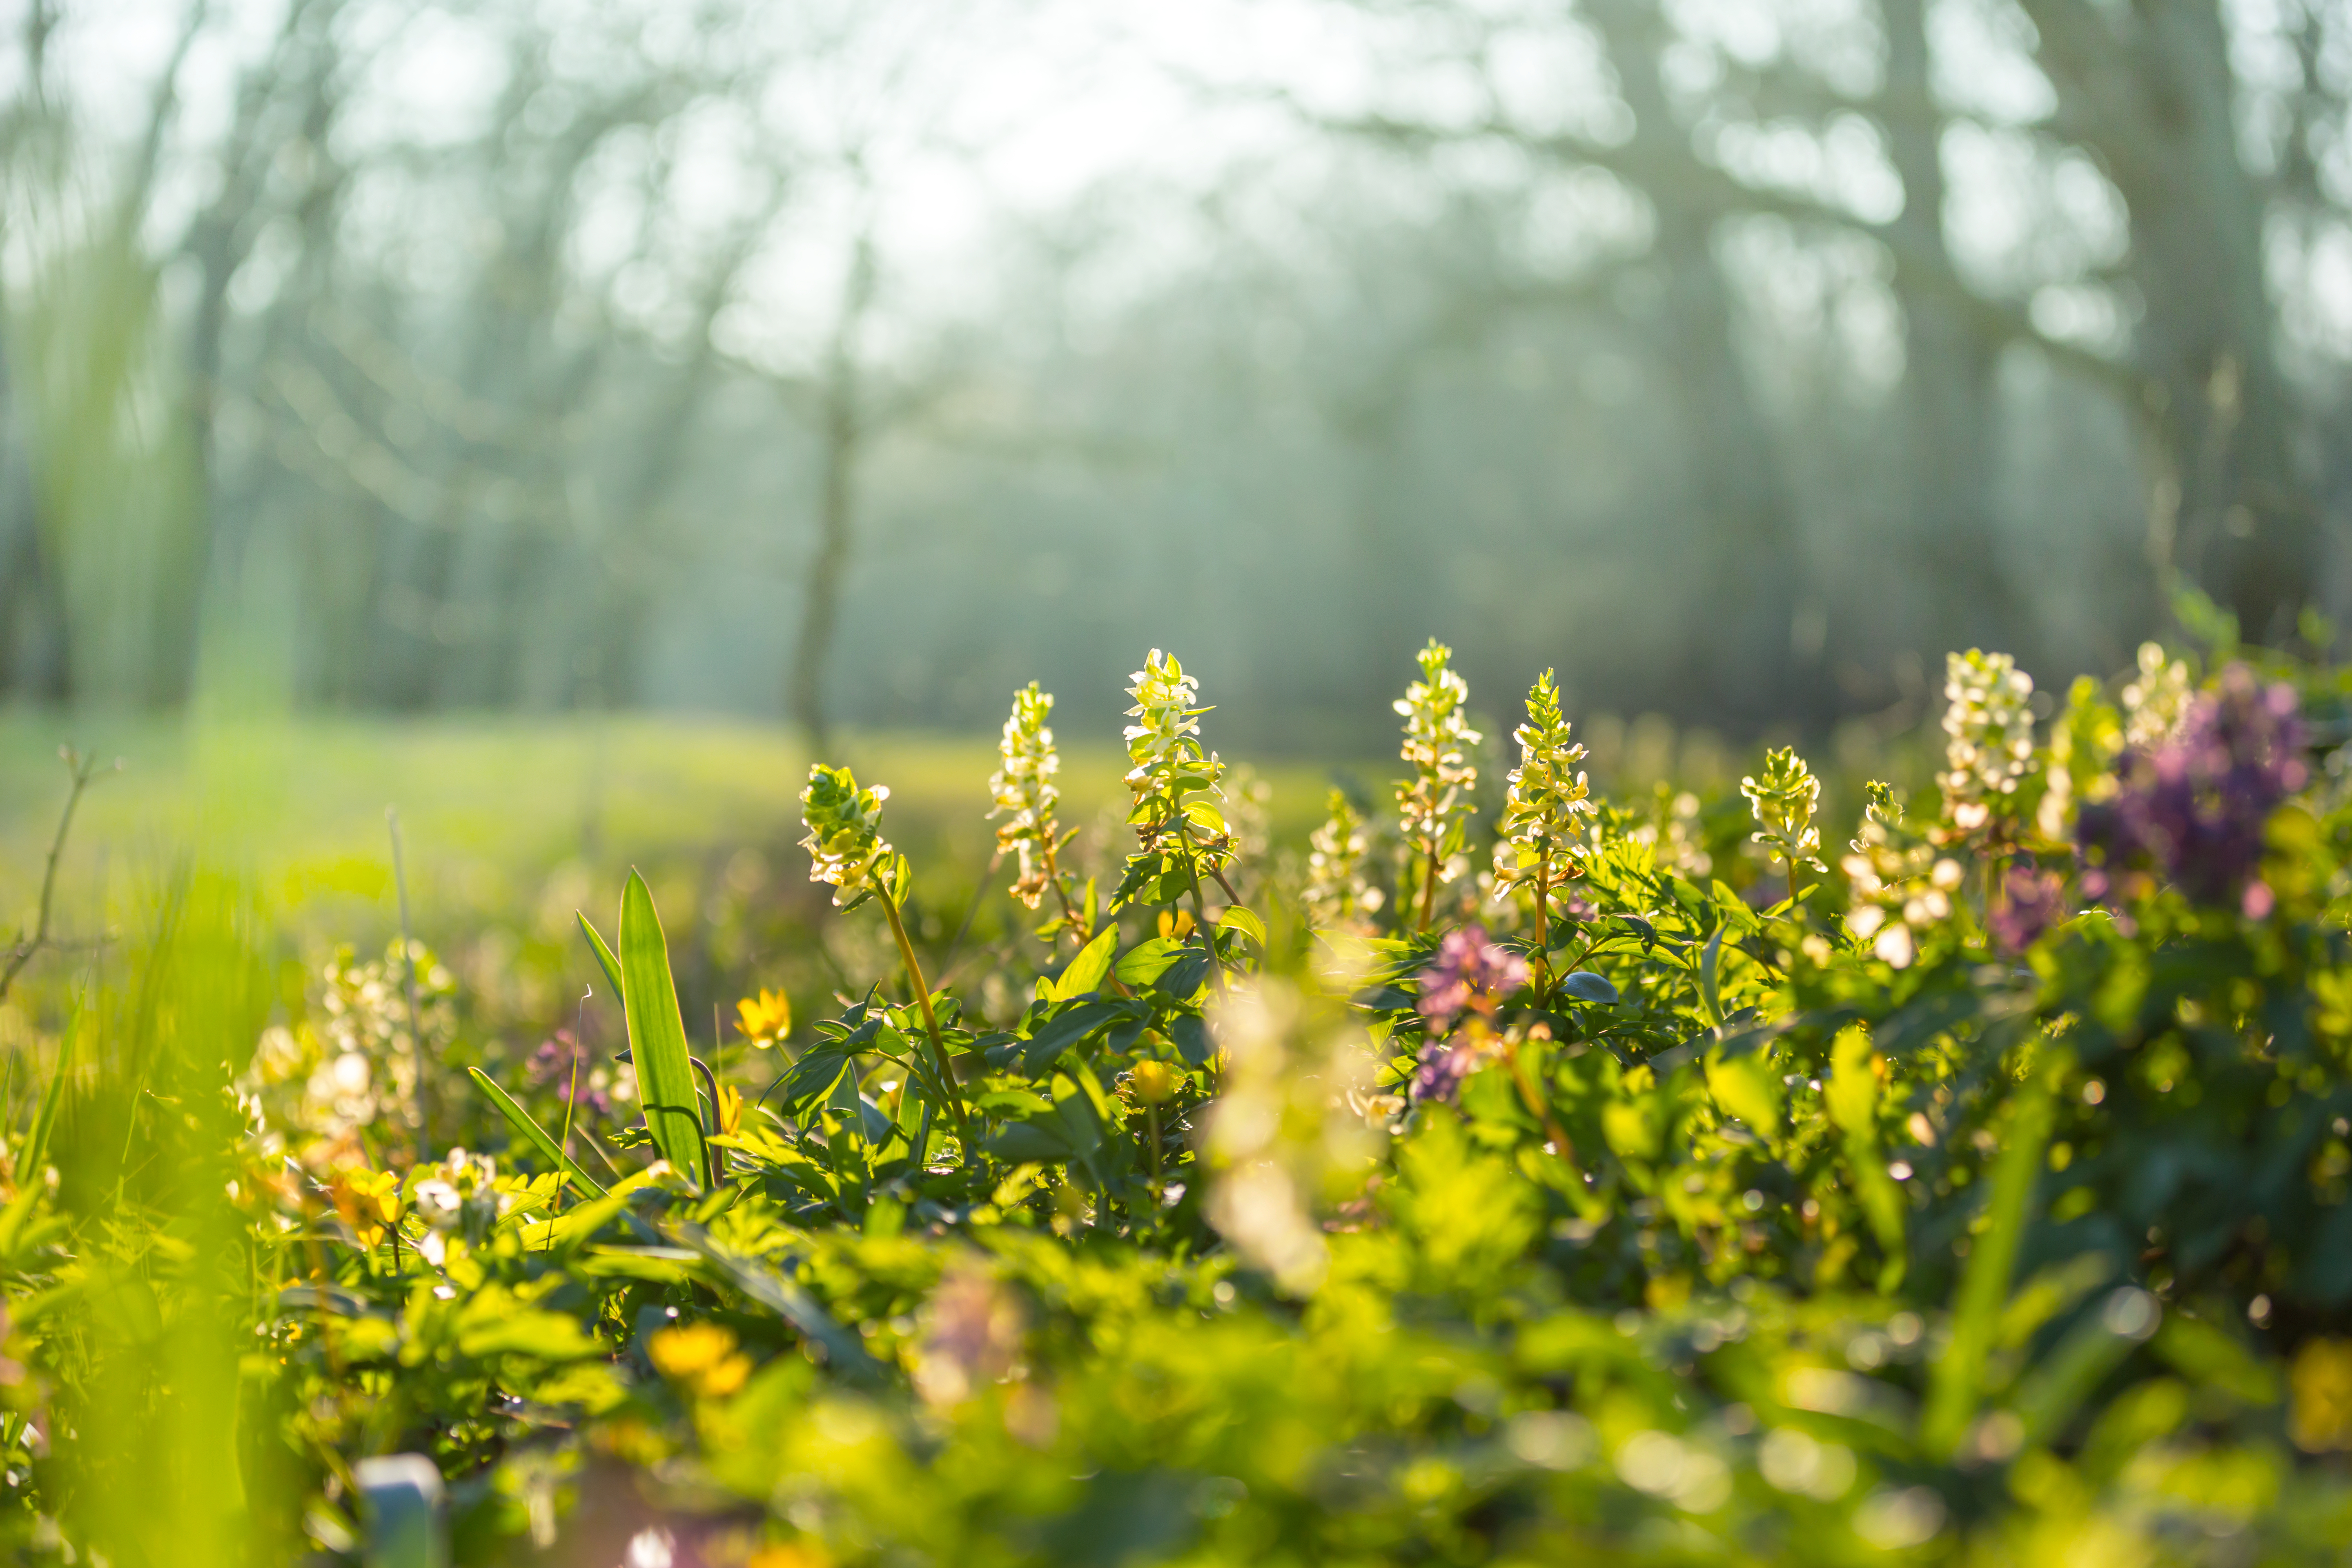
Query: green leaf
x,y
1742,1086
656,1033
535,1135
612,965
1148,959
1038,1143
1190,1034
1086,972
795,1306
2093,1347
1042,1049
1956,1381
1710,960
1852,1094
37,1141
1587,986
814,1075
1243,920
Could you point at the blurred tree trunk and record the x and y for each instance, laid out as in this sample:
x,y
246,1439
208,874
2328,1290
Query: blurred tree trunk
x,y
35,656
33,649
2151,93
178,605
216,243
1741,662
842,431
1948,363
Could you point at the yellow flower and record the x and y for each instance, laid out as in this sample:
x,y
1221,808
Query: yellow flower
x,y
702,1356
789,1555
1153,1082
1177,924
766,1019
368,1201
730,1109
2321,1417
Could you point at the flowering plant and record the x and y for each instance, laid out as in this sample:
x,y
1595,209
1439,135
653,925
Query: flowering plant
x,y
1433,804
1547,809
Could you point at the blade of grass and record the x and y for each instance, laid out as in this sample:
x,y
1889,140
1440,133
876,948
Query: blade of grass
x,y
657,1033
408,965
36,1141
535,1135
1956,1382
604,955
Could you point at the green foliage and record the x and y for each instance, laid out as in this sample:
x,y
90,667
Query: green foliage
x,y
656,1035
1752,1235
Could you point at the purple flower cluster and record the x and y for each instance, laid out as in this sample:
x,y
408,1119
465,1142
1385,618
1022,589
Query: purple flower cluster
x,y
2032,902
2193,809
560,1063
1471,974
1444,1064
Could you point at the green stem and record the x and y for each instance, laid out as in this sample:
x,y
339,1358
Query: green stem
x,y
1429,883
1200,908
1539,1106
1543,921
930,1020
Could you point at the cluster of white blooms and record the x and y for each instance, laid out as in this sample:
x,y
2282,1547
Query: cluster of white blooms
x,y
1896,893
317,1083
1784,801
1434,804
1989,734
1023,785
1163,743
1337,896
2155,700
845,829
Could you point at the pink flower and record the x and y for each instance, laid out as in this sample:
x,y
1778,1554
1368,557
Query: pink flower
x,y
1470,974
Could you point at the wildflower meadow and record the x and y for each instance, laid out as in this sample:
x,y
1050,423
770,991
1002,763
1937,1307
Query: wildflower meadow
x,y
1510,1170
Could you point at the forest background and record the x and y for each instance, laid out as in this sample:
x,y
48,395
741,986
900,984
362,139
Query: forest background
x,y
850,362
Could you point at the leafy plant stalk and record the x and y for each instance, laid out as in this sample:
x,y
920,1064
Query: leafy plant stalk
x,y
930,1018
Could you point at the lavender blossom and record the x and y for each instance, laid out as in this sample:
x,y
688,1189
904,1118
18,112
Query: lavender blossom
x,y
561,1062
1444,1064
2192,809
1471,974
2032,902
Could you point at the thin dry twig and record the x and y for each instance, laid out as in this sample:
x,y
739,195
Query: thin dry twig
x,y
85,772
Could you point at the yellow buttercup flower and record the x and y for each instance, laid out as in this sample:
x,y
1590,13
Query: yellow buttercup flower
x,y
2320,1415
766,1019
702,1356
789,1555
1153,1082
368,1201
